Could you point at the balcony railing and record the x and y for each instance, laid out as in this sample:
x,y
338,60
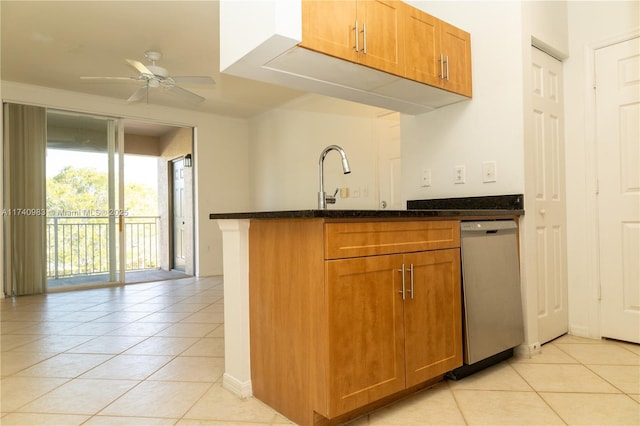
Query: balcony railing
x,y
79,245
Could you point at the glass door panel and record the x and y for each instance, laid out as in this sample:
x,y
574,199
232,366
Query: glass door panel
x,y
83,200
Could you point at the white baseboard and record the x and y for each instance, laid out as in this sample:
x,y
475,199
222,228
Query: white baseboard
x,y
527,351
241,389
581,331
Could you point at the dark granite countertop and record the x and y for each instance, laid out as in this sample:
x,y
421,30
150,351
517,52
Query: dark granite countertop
x,y
366,214
458,208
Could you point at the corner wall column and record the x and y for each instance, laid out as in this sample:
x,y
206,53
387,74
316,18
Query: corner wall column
x,y
235,262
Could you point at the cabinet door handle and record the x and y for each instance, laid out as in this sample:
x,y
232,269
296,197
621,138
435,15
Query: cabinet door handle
x,y
403,282
447,61
357,33
411,282
441,66
364,38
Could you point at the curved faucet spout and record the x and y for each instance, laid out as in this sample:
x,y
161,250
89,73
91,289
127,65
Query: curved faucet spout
x,y
323,199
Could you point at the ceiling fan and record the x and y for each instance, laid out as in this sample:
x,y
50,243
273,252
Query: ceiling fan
x,y
157,76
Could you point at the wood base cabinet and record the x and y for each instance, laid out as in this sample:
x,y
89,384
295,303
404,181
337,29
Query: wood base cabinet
x,y
382,338
344,314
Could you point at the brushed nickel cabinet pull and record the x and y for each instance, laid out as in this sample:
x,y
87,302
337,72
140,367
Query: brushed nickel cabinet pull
x,y
447,61
357,36
364,39
411,285
403,281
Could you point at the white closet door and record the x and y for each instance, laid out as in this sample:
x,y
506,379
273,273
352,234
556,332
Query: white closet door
x,y
618,156
550,200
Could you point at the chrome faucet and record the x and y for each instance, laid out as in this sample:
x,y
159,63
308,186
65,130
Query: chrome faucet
x,y
323,198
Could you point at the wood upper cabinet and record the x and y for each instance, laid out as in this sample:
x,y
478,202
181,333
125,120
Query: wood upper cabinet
x,y
382,35
329,27
437,53
390,36
422,49
368,32
455,46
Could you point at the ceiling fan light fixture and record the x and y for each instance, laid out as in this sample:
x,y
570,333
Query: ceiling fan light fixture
x,y
153,56
154,82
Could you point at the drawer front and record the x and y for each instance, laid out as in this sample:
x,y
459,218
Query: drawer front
x,y
355,239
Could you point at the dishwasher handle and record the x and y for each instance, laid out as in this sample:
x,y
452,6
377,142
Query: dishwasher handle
x,y
487,227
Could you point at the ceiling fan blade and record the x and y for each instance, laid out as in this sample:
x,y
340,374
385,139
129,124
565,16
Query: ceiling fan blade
x,y
193,79
139,66
107,78
139,94
185,94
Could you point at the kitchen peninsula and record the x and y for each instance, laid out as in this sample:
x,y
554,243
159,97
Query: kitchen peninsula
x,y
331,313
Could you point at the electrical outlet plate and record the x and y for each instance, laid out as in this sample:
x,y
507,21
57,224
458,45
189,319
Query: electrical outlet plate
x,y
459,174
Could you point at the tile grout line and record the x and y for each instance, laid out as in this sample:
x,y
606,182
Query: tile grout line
x,y
538,393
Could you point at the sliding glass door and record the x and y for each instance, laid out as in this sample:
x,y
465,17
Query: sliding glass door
x,y
84,195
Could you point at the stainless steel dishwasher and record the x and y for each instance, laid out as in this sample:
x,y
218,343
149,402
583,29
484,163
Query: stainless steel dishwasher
x,y
492,303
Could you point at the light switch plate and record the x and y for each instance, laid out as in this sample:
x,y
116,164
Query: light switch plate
x,y
489,171
426,178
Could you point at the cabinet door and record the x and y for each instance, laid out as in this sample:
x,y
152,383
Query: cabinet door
x,y
382,35
455,45
365,331
433,327
329,27
422,47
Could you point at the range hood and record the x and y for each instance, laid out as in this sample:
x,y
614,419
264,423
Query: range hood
x,y
259,41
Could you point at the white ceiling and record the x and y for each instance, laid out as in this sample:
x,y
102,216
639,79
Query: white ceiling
x,y
53,43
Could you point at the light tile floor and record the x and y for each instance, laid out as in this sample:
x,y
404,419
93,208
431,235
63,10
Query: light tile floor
x,y
153,354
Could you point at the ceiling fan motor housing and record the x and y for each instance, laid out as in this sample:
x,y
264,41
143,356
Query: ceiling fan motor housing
x,y
159,71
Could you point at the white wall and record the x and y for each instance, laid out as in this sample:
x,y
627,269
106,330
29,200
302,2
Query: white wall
x,y
220,157
486,128
591,25
493,125
285,146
